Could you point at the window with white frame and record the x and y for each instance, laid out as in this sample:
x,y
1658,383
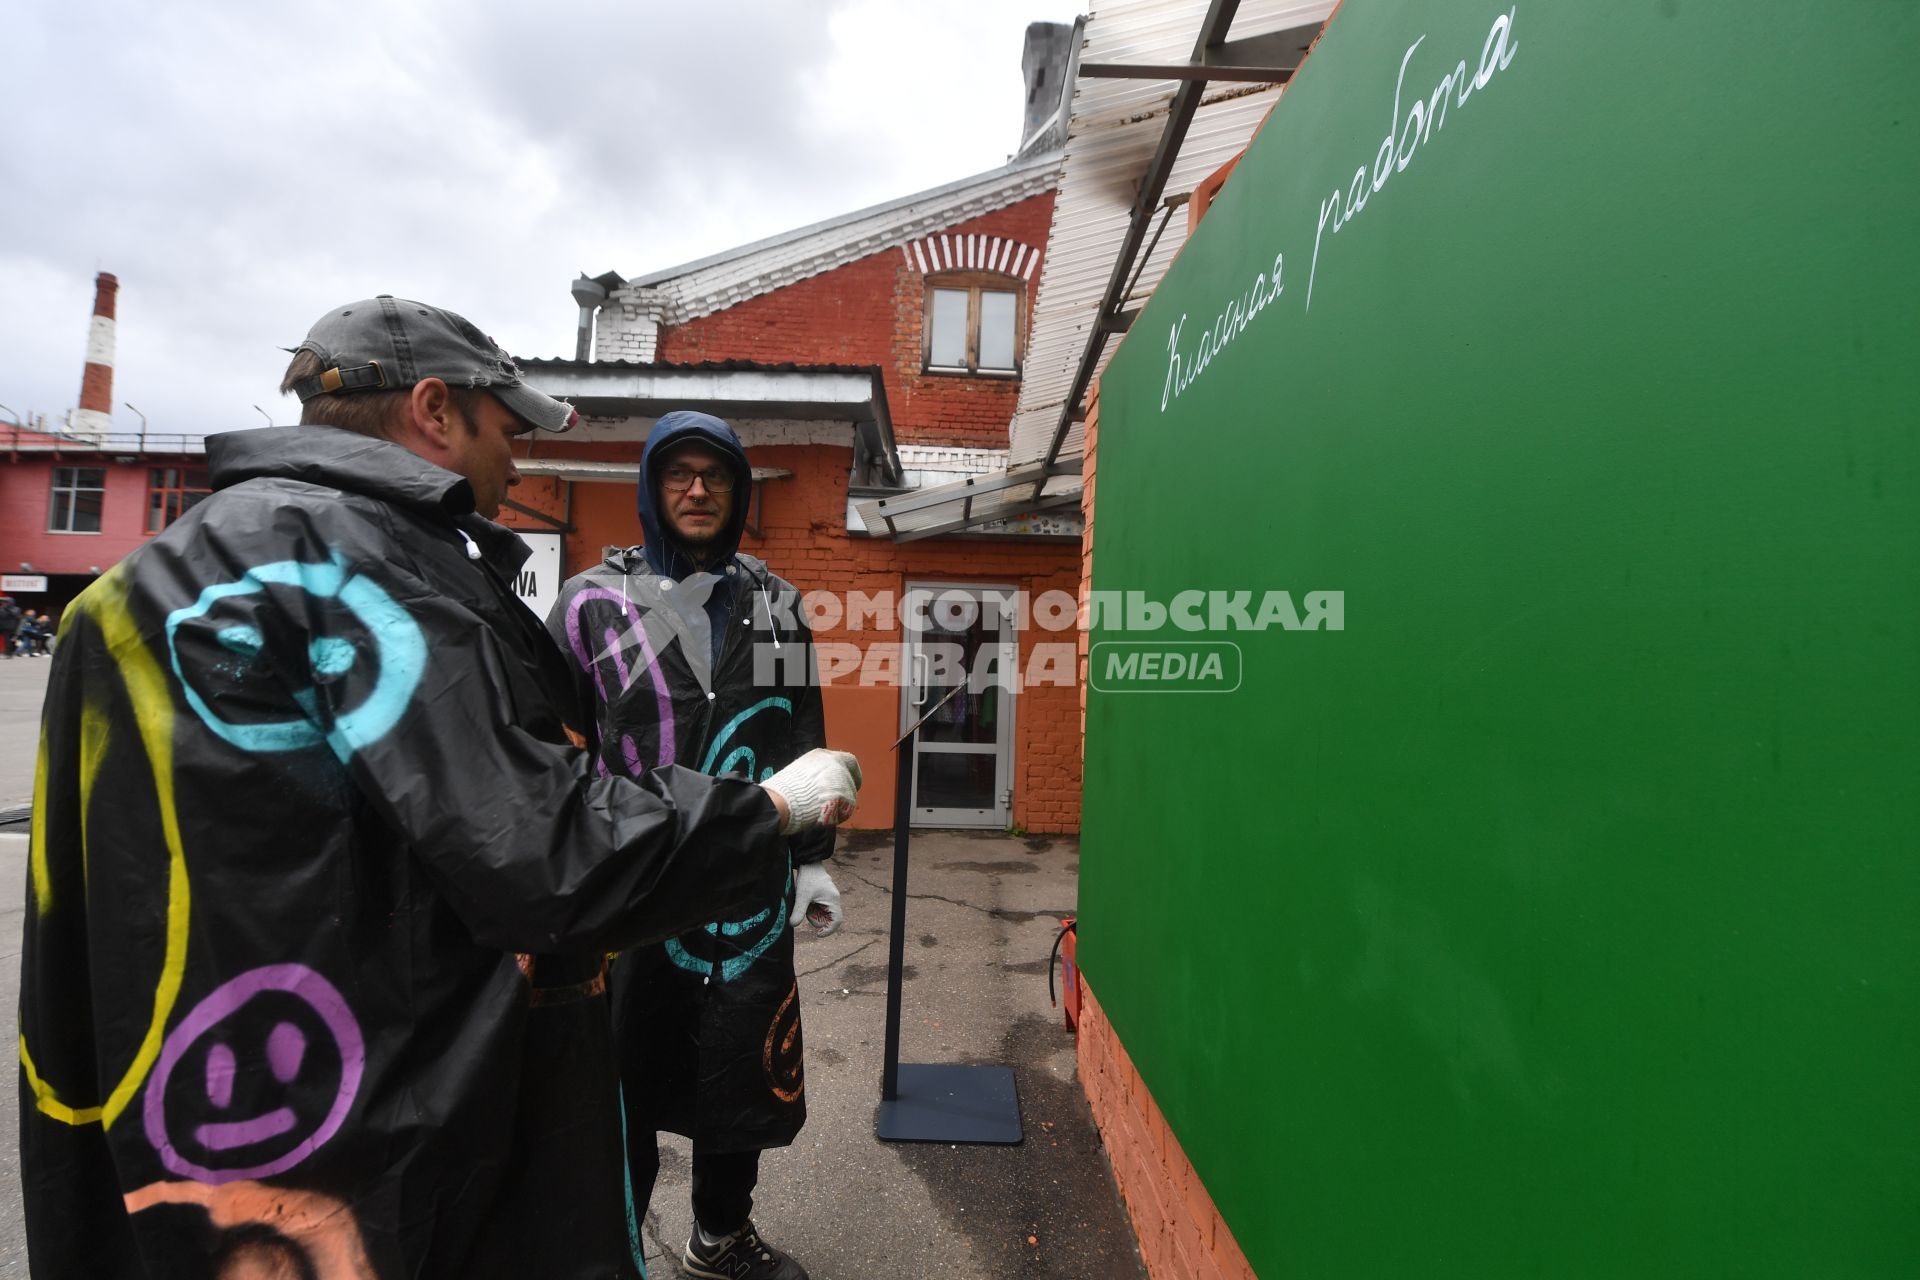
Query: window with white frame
x,y
78,494
973,324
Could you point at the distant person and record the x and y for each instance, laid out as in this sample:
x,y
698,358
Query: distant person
x,y
11,616
319,892
33,634
681,639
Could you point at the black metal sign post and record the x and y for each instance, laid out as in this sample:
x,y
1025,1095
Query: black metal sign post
x,y
922,1101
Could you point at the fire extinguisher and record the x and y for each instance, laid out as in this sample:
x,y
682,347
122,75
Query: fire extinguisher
x,y
1063,951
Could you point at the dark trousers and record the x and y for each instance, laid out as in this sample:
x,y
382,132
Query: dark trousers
x,y
723,1183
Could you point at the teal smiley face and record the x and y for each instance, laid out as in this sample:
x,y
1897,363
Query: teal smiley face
x,y
297,655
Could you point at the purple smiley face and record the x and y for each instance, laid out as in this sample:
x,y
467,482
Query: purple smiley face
x,y
272,1063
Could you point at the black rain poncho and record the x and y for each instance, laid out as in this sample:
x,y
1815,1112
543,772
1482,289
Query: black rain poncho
x,y
708,1023
303,794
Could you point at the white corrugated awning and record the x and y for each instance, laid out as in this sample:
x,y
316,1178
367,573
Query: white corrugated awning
x,y
619,399
1115,131
1115,128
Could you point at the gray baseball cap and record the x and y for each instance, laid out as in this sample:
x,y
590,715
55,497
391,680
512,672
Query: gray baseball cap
x,y
389,344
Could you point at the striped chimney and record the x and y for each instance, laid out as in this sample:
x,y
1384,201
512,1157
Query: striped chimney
x,y
94,418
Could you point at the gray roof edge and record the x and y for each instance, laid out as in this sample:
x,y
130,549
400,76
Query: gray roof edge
x,y
1012,170
568,363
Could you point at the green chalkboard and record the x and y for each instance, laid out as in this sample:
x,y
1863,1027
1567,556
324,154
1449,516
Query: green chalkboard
x,y
1559,915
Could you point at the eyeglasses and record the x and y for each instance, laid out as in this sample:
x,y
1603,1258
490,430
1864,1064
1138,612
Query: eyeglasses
x,y
678,479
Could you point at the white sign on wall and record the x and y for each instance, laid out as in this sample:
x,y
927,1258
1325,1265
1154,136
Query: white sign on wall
x,y
539,580
28,582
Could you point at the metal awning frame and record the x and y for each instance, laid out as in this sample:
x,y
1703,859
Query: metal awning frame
x,y
1050,503
966,491
1253,60
1214,58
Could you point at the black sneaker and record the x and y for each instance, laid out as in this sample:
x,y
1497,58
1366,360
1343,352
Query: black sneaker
x,y
740,1256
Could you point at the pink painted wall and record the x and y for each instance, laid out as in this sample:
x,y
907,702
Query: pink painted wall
x,y
26,485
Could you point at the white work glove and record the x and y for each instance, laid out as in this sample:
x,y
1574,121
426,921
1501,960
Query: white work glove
x,y
819,788
815,899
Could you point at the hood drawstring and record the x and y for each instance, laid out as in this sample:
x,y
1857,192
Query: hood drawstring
x,y
473,548
771,625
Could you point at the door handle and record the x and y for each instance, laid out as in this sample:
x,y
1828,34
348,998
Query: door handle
x,y
920,679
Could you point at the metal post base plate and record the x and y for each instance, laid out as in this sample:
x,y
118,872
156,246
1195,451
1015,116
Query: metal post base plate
x,y
947,1103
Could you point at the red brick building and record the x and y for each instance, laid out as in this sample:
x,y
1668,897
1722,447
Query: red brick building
x,y
71,508
864,358
861,359
73,501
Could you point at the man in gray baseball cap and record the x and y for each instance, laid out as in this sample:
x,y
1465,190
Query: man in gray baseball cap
x,y
427,380
342,1009
391,344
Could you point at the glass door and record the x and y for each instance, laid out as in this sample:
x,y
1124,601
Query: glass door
x,y
960,640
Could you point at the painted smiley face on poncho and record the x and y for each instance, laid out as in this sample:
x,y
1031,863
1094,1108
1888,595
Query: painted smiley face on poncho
x,y
254,1080
728,948
294,655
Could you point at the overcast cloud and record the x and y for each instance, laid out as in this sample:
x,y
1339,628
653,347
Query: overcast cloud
x,y
241,168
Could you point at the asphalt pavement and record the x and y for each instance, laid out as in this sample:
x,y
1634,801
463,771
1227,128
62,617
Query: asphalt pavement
x,y
23,683
982,915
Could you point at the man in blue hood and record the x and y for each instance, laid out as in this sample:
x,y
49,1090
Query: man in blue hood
x,y
707,1023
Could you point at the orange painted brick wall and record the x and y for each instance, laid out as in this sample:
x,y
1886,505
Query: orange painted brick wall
x,y
803,537
868,312
872,312
1182,1236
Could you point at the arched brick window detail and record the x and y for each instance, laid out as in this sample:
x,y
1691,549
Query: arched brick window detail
x,y
975,320
946,251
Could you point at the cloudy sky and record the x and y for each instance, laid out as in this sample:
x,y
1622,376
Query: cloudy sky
x,y
241,168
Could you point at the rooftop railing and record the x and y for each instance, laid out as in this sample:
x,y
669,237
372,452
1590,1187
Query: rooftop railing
x,y
16,439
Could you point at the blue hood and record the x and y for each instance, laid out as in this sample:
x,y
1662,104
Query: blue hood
x,y
672,429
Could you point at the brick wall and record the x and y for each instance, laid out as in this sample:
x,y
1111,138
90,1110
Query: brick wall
x,y
803,538
1182,1236
867,312
871,312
